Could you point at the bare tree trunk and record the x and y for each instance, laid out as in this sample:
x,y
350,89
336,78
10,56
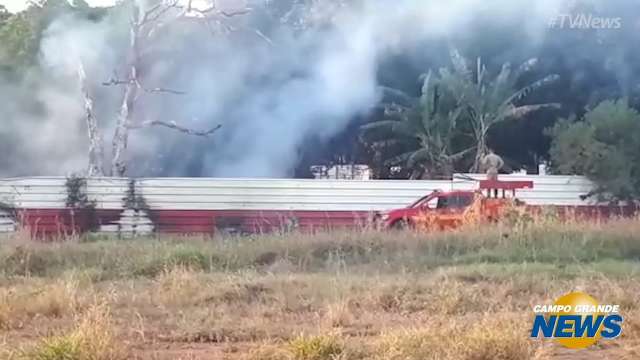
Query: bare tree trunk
x,y
447,169
142,25
417,174
121,135
96,150
477,162
481,150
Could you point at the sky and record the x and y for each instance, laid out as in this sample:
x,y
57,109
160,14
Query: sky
x,y
18,5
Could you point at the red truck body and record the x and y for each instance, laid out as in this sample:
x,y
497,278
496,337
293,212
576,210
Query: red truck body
x,y
449,210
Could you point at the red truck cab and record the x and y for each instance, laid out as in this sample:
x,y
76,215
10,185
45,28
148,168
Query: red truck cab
x,y
436,202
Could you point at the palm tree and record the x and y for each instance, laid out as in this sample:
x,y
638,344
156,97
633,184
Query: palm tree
x,y
486,102
423,124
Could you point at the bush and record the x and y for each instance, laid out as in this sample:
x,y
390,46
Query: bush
x,y
604,146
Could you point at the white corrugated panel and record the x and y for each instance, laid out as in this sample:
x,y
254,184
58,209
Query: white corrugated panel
x,y
266,194
547,190
278,194
6,222
51,192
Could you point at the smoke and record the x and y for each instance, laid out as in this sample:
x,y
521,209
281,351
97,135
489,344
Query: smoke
x,y
43,130
271,97
339,81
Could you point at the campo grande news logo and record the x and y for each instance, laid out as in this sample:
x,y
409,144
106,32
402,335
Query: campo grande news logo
x,y
577,321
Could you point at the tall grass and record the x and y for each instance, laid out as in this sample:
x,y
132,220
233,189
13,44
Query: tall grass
x,y
488,339
93,338
465,294
36,298
542,243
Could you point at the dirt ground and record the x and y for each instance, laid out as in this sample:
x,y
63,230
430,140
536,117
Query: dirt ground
x,y
159,351
184,314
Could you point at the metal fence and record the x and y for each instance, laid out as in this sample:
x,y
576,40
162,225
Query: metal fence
x,y
42,193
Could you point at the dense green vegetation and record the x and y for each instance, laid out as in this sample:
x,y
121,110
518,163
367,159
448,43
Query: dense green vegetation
x,y
604,146
476,104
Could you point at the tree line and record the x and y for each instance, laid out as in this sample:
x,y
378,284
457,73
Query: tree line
x,y
568,100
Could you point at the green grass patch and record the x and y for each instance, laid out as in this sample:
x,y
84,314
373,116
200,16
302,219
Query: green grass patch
x,y
565,249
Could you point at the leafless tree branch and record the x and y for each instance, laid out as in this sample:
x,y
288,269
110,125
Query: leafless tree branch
x,y
143,24
213,11
150,11
227,28
263,36
156,12
114,82
164,90
230,14
39,4
173,125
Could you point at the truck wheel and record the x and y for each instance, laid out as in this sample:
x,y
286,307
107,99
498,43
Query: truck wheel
x,y
402,225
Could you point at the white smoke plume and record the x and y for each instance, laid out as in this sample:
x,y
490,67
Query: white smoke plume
x,y
269,97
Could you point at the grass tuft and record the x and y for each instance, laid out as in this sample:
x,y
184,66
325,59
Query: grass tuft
x,y
92,339
269,352
54,300
490,339
179,286
320,347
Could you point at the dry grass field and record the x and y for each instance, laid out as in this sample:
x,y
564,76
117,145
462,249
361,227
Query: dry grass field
x,y
327,296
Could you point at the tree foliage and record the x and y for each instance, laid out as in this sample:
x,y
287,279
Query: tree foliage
x,y
453,115
19,42
488,101
426,124
604,146
21,33
4,14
